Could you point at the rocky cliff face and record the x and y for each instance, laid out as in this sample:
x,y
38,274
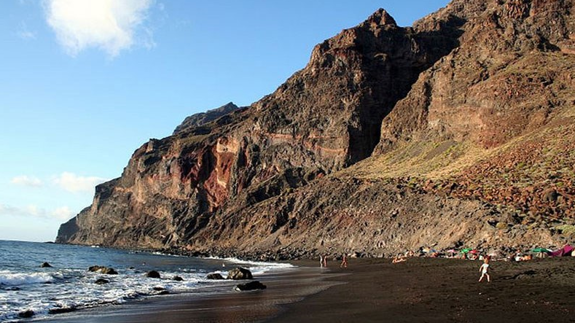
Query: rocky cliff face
x,y
390,138
200,119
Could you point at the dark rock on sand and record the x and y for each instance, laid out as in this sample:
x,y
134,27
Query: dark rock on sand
x,y
26,314
239,273
178,278
254,285
60,310
45,265
215,276
103,270
153,274
102,281
161,291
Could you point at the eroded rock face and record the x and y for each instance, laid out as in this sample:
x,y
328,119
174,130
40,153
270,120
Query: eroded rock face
x,y
390,138
512,69
324,118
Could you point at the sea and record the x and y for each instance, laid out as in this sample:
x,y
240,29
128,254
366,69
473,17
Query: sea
x,y
27,289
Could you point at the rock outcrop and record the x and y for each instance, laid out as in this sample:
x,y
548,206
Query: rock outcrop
x,y
239,273
200,119
456,131
103,270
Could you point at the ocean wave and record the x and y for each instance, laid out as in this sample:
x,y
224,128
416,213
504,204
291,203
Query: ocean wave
x,y
9,278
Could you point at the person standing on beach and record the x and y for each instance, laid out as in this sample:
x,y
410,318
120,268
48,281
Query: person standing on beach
x,y
484,270
343,261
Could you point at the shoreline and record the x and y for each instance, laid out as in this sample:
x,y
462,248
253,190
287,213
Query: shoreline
x,y
373,290
221,305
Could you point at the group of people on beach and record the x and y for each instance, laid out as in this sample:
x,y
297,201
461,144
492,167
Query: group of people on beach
x,y
323,261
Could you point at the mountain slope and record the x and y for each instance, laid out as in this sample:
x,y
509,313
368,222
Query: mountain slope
x,y
454,132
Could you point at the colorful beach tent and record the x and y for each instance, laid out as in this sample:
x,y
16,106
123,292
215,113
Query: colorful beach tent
x,y
537,250
565,251
466,250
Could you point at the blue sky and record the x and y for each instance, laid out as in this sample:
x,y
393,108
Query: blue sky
x,y
86,82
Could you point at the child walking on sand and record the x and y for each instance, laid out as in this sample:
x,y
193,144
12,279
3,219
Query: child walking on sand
x,y
484,270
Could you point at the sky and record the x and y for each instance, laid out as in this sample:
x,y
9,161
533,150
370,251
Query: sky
x,y
84,83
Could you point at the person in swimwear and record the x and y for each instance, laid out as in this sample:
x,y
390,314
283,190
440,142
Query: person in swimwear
x,y
484,269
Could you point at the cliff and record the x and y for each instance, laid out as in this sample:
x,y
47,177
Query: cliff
x,y
456,131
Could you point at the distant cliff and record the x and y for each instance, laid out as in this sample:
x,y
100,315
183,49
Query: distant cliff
x,y
456,131
200,119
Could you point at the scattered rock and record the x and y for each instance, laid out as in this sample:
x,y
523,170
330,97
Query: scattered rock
x,y
103,270
153,274
254,285
26,314
102,281
239,273
178,278
215,276
45,265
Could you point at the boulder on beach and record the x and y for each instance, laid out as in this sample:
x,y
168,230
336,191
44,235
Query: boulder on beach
x,y
178,278
153,274
103,270
26,314
45,265
215,276
253,285
101,281
239,273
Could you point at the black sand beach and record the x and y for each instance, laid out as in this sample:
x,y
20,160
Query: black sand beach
x,y
222,306
375,290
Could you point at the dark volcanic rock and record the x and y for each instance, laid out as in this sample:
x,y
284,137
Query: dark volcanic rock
x,y
178,278
153,274
253,285
45,265
215,276
26,314
101,281
103,270
239,273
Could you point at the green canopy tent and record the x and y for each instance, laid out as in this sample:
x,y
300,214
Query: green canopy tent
x,y
541,252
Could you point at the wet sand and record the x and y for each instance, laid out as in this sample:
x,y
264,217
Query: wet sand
x,y
374,290
222,306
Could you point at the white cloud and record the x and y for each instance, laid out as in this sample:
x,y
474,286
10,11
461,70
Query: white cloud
x,y
29,181
61,213
111,25
74,183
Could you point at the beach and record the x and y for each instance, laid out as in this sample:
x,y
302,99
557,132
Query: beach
x,y
443,290
375,290
223,305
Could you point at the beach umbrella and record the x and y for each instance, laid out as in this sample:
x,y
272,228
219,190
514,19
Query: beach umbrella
x,y
466,250
473,251
537,250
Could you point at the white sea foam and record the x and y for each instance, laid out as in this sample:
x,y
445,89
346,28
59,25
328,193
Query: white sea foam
x,y
69,285
9,278
80,291
260,267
